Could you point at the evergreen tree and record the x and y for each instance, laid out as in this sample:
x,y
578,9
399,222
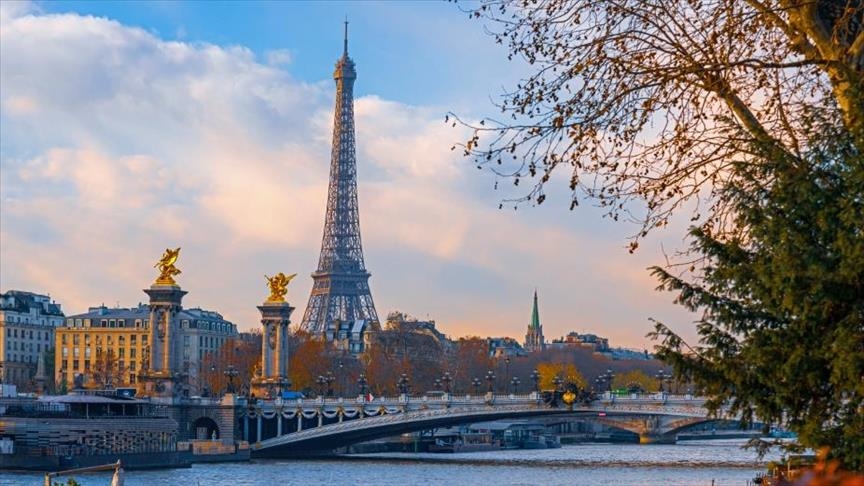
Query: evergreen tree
x,y
782,323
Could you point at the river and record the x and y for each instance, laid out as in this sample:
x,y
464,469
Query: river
x,y
689,463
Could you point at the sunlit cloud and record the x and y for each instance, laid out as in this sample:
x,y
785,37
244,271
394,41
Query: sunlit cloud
x,y
117,144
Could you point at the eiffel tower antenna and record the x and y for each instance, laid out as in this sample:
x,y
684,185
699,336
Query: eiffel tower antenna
x,y
340,289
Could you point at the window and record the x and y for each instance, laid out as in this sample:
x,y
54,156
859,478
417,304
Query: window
x,y
121,322
31,334
87,353
131,366
110,339
143,339
186,341
98,339
15,333
87,364
121,352
38,348
122,340
65,353
132,378
112,323
88,323
132,340
76,339
137,322
87,340
70,322
75,352
75,365
132,352
78,323
103,323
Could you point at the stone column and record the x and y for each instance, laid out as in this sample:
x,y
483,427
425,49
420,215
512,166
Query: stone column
x,y
165,304
275,318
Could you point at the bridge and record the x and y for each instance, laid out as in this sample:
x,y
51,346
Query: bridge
x,y
290,427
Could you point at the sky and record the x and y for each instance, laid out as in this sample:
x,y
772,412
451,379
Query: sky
x,y
130,127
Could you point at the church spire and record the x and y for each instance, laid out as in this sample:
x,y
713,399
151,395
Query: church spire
x,y
535,314
534,340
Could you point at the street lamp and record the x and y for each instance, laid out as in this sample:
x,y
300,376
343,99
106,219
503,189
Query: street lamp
x,y
535,377
447,379
404,384
515,383
506,369
490,378
437,384
476,383
341,378
330,379
322,382
230,373
361,384
557,381
660,376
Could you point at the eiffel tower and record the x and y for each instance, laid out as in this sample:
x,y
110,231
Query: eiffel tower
x,y
340,291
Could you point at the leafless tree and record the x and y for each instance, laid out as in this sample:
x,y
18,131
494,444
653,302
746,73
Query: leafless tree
x,y
660,101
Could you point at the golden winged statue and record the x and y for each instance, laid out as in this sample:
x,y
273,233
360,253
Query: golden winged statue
x,y
166,267
278,286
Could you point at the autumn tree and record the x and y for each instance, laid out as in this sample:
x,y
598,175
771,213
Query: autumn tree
x,y
635,380
567,372
469,359
659,102
309,358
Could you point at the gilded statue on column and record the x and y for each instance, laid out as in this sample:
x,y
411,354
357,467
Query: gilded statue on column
x,y
166,267
278,286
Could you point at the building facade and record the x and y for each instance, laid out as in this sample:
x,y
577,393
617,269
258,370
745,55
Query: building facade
x,y
534,341
107,347
27,323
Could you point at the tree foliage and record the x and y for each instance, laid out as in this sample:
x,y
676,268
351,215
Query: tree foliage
x,y
782,323
749,111
657,101
635,379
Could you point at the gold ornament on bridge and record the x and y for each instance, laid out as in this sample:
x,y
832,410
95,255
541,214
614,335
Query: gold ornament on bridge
x,y
278,286
166,267
569,397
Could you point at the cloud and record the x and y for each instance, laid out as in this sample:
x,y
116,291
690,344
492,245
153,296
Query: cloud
x,y
279,57
118,144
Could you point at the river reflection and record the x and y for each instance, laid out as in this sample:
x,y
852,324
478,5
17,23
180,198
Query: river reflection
x,y
687,463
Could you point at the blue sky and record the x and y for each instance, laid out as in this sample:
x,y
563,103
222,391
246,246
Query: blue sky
x,y
129,127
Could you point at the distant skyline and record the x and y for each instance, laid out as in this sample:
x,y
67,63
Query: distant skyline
x,y
129,127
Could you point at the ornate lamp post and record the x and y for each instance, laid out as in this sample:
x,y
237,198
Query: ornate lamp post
x,y
476,384
557,381
231,373
361,384
506,369
447,379
404,385
437,384
535,377
341,366
490,378
330,379
515,383
660,376
322,382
